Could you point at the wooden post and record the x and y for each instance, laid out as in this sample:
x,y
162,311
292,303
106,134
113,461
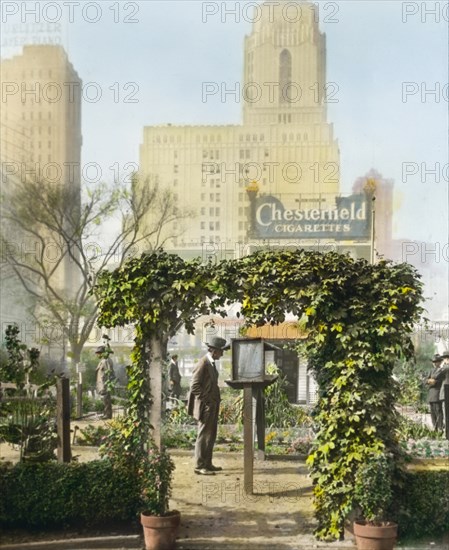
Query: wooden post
x,y
155,374
248,439
258,395
446,409
79,392
63,419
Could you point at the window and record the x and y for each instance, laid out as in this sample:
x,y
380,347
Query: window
x,y
285,76
211,211
203,211
203,225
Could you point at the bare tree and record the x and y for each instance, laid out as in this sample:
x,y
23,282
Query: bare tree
x,y
66,235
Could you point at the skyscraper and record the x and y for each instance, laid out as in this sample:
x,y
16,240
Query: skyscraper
x,y
284,147
40,141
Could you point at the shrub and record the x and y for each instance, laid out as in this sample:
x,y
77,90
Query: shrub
x,y
423,504
58,495
427,448
373,488
178,436
409,429
93,435
156,474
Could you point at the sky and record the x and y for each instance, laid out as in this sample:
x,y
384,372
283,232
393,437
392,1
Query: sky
x,y
387,61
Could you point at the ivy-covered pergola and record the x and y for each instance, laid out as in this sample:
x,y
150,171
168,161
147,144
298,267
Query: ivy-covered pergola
x,y
359,318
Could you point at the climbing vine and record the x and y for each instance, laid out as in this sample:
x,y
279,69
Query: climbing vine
x,y
158,293
359,318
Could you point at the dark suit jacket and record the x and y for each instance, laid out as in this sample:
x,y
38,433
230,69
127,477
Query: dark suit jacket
x,y
204,388
439,374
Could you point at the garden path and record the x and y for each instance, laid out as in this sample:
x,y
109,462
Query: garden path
x,y
216,513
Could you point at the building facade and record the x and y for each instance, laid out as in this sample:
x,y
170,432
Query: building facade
x,y
284,148
40,141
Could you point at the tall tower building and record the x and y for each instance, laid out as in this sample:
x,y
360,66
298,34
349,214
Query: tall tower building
x,y
40,141
284,147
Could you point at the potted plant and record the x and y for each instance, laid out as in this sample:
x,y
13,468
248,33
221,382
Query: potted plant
x,y
160,525
373,494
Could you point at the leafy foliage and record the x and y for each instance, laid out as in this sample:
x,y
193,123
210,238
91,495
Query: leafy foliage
x,y
65,220
373,489
155,474
21,362
359,319
58,495
408,429
27,414
423,504
279,412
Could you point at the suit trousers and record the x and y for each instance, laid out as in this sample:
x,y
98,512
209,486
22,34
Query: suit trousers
x,y
436,414
207,434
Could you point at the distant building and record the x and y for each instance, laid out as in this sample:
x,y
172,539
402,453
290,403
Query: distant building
x,y
40,141
282,161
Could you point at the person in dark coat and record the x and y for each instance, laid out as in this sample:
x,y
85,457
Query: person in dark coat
x,y
174,377
204,403
435,381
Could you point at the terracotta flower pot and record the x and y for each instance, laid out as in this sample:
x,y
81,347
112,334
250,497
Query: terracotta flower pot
x,y
375,537
160,531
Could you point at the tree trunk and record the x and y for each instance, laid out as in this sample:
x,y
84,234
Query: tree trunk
x,y
155,376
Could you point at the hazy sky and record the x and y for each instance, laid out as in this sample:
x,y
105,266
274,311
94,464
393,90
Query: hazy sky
x,y
384,58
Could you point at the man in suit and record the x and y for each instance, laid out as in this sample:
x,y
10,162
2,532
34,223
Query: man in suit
x,y
435,381
204,403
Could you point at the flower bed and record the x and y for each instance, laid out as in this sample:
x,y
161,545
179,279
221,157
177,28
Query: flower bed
x,y
427,448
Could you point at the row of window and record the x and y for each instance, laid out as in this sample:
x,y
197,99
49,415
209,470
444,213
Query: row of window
x,y
212,211
213,197
31,115
40,73
211,154
213,226
213,182
39,130
39,144
212,138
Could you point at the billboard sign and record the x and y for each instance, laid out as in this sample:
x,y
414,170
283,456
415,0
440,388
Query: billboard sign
x,y
349,218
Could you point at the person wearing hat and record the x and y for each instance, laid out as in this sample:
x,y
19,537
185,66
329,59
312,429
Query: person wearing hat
x,y
174,377
204,403
105,377
445,367
435,381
